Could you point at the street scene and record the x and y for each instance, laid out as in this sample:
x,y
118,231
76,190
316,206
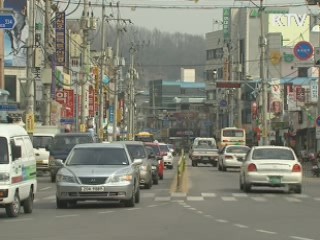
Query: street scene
x,y
182,119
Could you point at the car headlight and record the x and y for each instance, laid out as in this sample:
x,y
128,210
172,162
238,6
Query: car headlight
x,y
4,177
65,178
116,179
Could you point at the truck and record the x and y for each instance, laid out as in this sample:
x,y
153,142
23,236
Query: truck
x,y
205,151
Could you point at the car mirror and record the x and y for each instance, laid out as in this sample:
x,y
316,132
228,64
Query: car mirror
x,y
137,162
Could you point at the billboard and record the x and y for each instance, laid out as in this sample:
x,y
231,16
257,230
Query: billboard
x,y
294,27
15,40
66,98
60,38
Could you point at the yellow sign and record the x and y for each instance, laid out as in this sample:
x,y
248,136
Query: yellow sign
x,y
30,122
83,128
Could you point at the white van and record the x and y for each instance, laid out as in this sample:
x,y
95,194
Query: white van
x,y
18,183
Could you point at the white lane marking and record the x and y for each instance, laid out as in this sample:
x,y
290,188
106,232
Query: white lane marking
x,y
228,199
187,206
162,199
46,188
239,194
18,220
66,216
208,195
148,195
291,199
222,220
151,206
193,209
132,209
259,199
194,198
106,212
240,225
317,199
49,197
301,238
178,194
300,195
178,201
200,212
265,231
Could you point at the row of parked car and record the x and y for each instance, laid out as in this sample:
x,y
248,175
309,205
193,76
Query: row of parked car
x,y
76,181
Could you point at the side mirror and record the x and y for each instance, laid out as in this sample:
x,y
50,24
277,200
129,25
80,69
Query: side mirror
x,y
59,162
16,152
137,162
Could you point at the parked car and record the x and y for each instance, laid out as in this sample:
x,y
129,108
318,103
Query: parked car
x,y
98,171
156,148
155,164
232,156
137,151
40,142
271,166
167,155
60,147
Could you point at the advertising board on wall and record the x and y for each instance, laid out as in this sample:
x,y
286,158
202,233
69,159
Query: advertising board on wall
x,y
66,98
60,38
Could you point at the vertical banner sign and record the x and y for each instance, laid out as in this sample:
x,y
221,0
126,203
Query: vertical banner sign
x,y
313,91
275,98
60,38
66,98
300,94
226,23
92,102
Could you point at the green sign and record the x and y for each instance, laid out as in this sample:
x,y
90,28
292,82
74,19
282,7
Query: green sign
x,y
255,13
226,23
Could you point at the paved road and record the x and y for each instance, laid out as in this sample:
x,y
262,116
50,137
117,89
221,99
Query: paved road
x,y
212,208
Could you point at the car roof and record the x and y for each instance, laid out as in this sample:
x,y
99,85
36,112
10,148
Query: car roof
x,y
271,146
44,134
10,130
227,146
130,142
73,134
100,145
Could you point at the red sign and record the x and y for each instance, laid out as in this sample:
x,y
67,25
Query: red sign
x,y
66,98
92,101
300,94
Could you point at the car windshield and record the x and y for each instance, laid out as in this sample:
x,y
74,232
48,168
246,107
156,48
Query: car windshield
x,y
155,149
237,149
164,148
4,157
97,156
272,154
68,142
41,141
205,146
136,151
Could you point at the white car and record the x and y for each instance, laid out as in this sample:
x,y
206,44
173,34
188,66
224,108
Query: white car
x,y
167,155
271,166
232,156
40,143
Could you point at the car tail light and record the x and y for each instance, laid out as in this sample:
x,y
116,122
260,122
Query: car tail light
x,y
228,157
296,168
252,167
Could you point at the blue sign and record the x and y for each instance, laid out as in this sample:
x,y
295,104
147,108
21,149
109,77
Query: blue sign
x,y
7,22
318,121
111,114
67,120
223,103
8,108
303,50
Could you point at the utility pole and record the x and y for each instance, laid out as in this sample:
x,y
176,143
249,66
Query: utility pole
x,y
102,58
131,93
47,79
116,81
30,48
262,45
86,65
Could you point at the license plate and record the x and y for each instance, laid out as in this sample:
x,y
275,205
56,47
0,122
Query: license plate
x,y
92,189
275,180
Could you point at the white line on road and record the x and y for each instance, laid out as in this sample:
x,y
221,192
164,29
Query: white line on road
x,y
178,201
106,212
259,199
300,238
240,225
239,194
222,220
162,199
317,199
193,209
300,195
208,195
19,220
265,231
46,188
200,212
66,216
178,194
131,209
228,199
291,199
151,206
194,198
147,195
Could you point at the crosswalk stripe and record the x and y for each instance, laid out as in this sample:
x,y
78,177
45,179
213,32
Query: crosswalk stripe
x,y
194,198
292,199
239,194
229,199
162,199
178,194
208,195
259,199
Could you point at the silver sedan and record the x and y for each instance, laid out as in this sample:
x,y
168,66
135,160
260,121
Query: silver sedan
x,y
232,156
271,166
98,171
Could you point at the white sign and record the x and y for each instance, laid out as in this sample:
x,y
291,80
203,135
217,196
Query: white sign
x,y
289,19
313,91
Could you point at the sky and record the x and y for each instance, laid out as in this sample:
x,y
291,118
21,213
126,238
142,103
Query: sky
x,y
179,15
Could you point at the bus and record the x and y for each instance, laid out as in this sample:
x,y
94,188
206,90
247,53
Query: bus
x,y
144,137
232,136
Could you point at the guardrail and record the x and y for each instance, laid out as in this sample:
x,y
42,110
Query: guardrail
x,y
180,170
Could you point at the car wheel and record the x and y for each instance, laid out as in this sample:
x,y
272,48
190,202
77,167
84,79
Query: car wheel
x,y
224,169
130,202
241,184
298,189
219,167
246,187
137,197
28,203
148,185
61,204
156,180
13,209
